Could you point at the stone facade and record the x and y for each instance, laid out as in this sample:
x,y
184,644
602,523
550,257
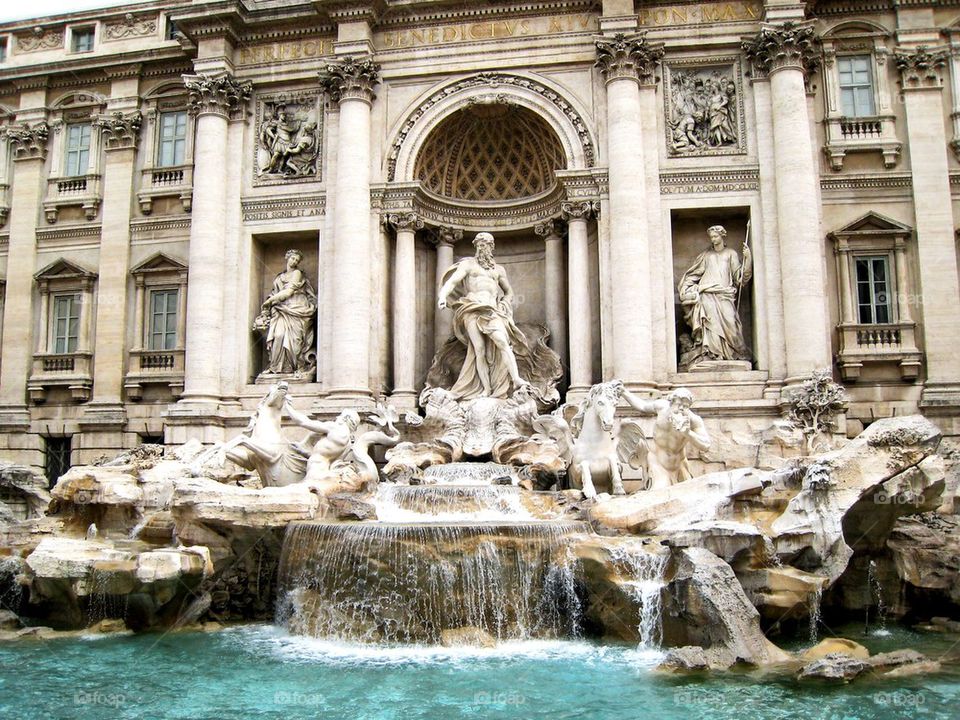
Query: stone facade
x,y
150,188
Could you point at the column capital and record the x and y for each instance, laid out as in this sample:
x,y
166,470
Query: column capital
x,y
552,229
446,235
217,95
921,68
403,221
580,210
351,78
28,141
791,44
628,56
121,131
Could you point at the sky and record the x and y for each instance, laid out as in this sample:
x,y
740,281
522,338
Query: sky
x,y
22,9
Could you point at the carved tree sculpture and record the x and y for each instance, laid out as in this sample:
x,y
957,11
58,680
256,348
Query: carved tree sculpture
x,y
815,405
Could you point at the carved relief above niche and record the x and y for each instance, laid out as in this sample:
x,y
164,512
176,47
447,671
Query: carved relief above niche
x,y
289,132
704,107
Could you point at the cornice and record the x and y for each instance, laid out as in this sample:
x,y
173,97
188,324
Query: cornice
x,y
700,181
284,208
867,182
404,15
178,222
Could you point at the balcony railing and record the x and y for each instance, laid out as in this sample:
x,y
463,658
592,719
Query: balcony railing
x,y
862,134
154,367
891,343
82,190
172,181
66,370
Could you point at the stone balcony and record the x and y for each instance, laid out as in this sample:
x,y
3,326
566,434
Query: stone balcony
x,y
154,367
173,181
893,343
68,370
81,190
862,134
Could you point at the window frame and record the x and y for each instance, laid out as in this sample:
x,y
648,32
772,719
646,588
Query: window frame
x,y
889,287
176,138
150,329
871,85
78,171
78,31
72,319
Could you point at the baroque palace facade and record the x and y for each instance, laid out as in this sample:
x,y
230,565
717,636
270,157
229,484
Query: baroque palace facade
x,y
159,161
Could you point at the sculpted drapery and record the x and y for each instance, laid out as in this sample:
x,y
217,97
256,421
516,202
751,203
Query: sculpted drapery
x,y
287,315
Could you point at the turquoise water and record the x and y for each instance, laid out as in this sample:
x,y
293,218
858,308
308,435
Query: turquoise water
x,y
258,671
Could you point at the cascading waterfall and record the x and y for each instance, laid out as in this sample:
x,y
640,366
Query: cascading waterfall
x,y
875,595
469,473
815,608
402,583
101,603
646,571
441,503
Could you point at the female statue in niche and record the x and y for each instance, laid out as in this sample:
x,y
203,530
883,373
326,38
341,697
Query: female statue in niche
x,y
287,316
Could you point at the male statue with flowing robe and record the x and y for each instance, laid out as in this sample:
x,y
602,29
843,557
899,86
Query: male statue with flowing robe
x,y
709,293
478,292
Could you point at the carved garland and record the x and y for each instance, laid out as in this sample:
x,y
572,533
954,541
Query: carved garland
x,y
493,80
131,26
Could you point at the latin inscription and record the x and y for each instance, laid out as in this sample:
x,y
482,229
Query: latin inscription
x,y
285,51
702,13
485,30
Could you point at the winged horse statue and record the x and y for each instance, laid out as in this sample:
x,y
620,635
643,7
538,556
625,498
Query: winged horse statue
x,y
588,443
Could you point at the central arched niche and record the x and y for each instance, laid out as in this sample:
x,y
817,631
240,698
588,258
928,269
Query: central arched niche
x,y
490,153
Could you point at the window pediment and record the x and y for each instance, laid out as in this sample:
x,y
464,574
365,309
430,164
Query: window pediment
x,y
159,263
62,269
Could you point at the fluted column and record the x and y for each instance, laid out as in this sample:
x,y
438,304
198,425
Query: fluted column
x,y
404,306
578,292
215,101
120,133
553,285
446,238
785,53
349,83
922,80
29,143
628,63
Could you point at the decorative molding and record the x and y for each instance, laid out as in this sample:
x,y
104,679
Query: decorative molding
x,y
921,68
73,235
710,181
445,235
222,95
40,39
289,134
788,45
867,182
351,78
583,210
704,107
554,228
121,131
28,141
628,56
493,80
171,227
130,26
283,208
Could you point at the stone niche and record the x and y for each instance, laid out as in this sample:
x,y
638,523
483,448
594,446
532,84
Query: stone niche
x,y
269,259
689,239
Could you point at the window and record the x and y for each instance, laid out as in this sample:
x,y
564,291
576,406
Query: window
x,y
82,40
78,149
66,323
873,289
173,138
3,49
171,30
856,86
56,460
163,319
151,439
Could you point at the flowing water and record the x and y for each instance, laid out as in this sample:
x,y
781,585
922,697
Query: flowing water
x,y
645,571
445,503
260,672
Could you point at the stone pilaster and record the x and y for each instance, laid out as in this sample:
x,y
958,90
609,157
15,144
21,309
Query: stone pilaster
x,y
580,322
922,75
554,293
349,82
120,133
445,238
215,101
786,54
628,64
28,141
404,306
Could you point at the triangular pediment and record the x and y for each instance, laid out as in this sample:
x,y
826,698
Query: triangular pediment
x,y
63,269
874,224
157,263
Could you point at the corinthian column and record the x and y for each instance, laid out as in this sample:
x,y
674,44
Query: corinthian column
x,y
785,53
404,306
29,144
578,292
553,286
349,82
922,80
215,101
628,63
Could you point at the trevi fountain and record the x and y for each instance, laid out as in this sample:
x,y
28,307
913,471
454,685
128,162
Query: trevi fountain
x,y
481,556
